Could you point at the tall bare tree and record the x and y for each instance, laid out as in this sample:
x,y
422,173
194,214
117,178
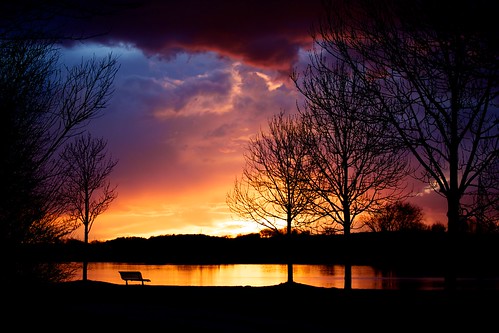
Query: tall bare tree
x,y
358,168
436,80
88,191
273,190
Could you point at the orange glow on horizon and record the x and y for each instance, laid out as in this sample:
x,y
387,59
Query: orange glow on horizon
x,y
159,214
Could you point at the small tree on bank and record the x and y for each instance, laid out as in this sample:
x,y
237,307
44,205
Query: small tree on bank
x,y
397,216
273,190
88,192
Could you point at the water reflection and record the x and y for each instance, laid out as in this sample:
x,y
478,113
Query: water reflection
x,y
329,276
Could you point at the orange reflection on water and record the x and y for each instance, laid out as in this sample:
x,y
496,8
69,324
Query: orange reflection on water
x,y
232,275
192,275
328,276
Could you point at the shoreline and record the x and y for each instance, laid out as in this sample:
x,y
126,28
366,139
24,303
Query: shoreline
x,y
277,308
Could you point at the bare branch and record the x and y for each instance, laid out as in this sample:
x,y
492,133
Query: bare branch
x,y
272,190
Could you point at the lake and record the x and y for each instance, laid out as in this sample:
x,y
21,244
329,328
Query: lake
x,y
329,276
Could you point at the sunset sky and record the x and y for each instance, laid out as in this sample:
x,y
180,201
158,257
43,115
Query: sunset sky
x,y
197,79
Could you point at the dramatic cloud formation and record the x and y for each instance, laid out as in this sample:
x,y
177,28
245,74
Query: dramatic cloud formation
x,y
197,79
265,34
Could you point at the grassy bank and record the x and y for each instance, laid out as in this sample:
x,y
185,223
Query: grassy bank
x,y
285,307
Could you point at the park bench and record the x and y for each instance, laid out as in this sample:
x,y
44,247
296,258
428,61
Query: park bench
x,y
133,276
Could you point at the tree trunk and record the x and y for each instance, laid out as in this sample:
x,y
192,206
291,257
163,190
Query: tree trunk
x,y
289,247
455,227
346,231
348,264
85,255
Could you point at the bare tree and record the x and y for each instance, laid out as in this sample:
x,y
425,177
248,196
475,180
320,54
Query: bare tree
x,y
273,190
87,188
397,216
436,80
357,166
43,105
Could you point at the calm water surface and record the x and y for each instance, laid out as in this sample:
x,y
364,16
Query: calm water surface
x,y
363,277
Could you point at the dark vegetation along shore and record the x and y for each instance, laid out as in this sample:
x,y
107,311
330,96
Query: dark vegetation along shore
x,y
416,253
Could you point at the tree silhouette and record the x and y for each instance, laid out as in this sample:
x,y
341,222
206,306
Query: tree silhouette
x,y
435,77
273,191
43,105
436,82
88,192
397,216
357,166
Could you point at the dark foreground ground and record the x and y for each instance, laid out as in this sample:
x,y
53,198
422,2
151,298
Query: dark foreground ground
x,y
98,307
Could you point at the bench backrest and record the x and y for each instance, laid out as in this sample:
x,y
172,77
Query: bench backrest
x,y
131,275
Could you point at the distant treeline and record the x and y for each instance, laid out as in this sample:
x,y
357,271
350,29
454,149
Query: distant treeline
x,y
412,251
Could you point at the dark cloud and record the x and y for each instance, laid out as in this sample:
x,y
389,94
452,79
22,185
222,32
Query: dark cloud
x,y
267,34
